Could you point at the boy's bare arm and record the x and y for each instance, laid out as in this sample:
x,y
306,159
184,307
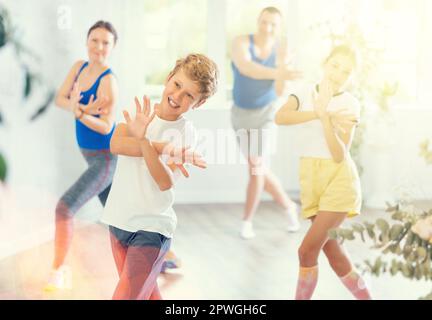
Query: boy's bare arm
x,y
160,172
122,143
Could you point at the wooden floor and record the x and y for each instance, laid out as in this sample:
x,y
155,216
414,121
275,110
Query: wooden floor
x,y
217,263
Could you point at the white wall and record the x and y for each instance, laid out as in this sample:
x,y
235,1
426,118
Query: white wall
x,y
395,169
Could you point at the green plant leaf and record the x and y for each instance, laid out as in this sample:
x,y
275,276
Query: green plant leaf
x,y
3,28
382,225
28,83
3,168
407,250
396,231
391,208
370,230
347,234
358,227
398,215
421,253
333,234
407,270
418,272
409,239
395,267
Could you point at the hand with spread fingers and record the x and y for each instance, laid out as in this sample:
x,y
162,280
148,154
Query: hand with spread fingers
x,y
180,156
144,116
97,107
94,107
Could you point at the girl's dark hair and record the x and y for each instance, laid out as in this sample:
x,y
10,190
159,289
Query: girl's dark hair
x,y
104,25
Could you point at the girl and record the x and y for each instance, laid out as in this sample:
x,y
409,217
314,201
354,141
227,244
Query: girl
x,y
89,92
329,182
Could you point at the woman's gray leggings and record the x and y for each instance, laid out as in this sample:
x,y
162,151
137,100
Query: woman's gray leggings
x,y
95,181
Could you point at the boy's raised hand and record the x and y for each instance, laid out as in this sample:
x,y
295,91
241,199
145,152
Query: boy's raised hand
x,y
144,115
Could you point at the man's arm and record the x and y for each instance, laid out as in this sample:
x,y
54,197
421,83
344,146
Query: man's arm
x,y
243,61
282,63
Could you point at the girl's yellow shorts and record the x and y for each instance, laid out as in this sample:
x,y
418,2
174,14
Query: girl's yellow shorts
x,y
329,186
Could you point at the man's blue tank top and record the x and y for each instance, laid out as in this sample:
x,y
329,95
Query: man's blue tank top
x,y
86,137
250,93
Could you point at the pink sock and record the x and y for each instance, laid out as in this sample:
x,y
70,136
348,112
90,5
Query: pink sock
x,y
356,285
306,284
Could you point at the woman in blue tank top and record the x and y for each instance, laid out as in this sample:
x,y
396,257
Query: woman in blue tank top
x,y
260,74
89,92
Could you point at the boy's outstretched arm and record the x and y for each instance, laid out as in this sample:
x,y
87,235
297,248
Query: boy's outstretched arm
x,y
137,128
122,143
158,170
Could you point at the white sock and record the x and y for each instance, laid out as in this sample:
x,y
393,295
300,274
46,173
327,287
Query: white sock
x,y
291,214
247,231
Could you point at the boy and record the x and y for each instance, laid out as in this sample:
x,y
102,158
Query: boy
x,y
139,207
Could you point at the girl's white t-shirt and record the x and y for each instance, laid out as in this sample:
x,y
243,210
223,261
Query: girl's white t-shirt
x,y
135,201
310,136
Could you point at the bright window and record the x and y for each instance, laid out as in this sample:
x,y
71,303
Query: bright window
x,y
171,29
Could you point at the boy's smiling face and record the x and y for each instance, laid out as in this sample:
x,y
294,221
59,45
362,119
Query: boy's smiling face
x,y
179,96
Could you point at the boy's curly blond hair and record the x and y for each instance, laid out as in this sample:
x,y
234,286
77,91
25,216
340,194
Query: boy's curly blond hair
x,y
200,69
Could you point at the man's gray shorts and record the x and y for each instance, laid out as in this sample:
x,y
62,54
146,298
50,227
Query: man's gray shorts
x,y
255,130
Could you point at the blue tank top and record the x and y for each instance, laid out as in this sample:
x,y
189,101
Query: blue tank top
x,y
88,138
250,93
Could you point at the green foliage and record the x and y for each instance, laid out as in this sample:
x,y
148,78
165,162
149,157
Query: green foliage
x,y
3,168
4,24
412,256
28,83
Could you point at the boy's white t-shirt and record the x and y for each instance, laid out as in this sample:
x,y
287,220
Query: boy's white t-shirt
x,y
135,201
310,135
